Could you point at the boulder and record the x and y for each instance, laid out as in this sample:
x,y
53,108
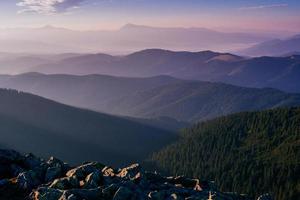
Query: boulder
x,y
31,162
53,173
82,171
28,180
175,197
65,196
5,171
123,193
4,182
158,195
9,156
154,177
65,183
45,193
185,182
110,191
54,162
129,172
265,197
55,180
108,171
93,180
15,170
88,194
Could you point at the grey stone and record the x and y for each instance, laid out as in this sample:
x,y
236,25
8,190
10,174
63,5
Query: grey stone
x,y
28,180
82,171
52,173
65,183
123,193
93,180
44,193
265,197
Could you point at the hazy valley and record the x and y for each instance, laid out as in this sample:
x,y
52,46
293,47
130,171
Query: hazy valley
x,y
193,100
154,97
276,72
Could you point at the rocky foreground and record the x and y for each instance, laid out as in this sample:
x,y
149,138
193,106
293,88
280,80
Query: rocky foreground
x,y
30,177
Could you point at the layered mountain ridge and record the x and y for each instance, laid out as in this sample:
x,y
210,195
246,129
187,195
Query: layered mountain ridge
x,y
277,72
152,98
276,47
127,39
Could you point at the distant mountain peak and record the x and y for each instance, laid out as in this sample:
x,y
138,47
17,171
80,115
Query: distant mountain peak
x,y
157,50
133,26
51,27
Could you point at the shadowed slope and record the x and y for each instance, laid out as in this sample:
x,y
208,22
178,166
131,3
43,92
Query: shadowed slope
x,y
33,123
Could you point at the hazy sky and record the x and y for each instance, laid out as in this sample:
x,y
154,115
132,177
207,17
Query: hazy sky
x,y
111,14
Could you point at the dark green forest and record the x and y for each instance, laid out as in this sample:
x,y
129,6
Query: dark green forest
x,y
250,152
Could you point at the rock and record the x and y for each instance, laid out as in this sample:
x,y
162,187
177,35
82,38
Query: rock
x,y
185,182
5,171
65,183
88,194
65,196
4,182
129,172
15,170
54,162
157,195
154,177
265,197
138,178
55,180
56,168
31,162
44,193
52,173
9,156
108,171
28,180
109,191
123,193
82,171
93,180
175,197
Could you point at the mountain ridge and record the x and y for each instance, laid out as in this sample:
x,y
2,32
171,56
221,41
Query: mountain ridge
x,y
28,119
152,97
275,47
130,38
211,66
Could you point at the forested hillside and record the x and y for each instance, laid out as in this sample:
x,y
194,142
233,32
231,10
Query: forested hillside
x,y
33,124
250,153
153,97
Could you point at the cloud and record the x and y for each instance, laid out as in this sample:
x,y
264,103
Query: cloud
x,y
263,7
48,6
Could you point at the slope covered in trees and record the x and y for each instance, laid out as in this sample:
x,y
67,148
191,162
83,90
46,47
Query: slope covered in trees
x,y
250,153
153,97
34,124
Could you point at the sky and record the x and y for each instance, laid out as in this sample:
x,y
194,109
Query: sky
x,y
281,15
